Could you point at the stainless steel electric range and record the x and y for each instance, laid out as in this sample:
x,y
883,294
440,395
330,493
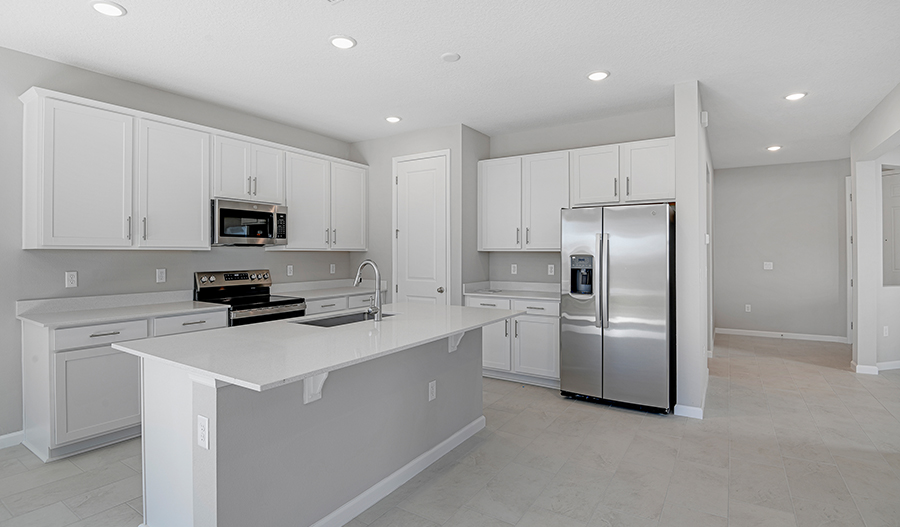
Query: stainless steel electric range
x,y
247,293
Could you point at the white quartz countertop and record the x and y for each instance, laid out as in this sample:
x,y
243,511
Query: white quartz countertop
x,y
333,292
270,354
114,314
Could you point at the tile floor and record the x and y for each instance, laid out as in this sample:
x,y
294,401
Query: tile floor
x,y
790,437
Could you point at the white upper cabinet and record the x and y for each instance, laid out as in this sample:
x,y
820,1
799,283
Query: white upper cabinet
x,y
327,203
545,192
594,178
173,187
77,175
648,169
519,202
248,171
349,199
500,204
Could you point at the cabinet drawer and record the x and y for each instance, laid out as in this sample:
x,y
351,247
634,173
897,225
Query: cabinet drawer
x,y
495,303
325,305
538,307
360,301
99,334
187,323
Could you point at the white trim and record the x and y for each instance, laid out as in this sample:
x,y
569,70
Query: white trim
x,y
780,335
890,365
543,382
12,439
848,222
395,221
353,508
688,411
859,368
709,354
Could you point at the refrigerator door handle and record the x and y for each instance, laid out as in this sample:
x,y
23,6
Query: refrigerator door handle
x,y
598,280
604,280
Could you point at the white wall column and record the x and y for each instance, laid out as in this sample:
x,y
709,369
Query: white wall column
x,y
865,181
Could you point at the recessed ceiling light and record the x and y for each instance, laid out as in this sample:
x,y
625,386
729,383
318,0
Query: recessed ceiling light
x,y
393,119
773,148
450,57
342,42
795,96
598,75
109,8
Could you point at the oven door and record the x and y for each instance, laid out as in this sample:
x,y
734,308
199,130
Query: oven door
x,y
247,223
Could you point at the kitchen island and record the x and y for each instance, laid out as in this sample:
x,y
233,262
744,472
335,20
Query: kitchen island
x,y
283,423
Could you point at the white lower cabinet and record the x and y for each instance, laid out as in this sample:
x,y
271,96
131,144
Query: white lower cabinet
x,y
97,391
524,347
324,305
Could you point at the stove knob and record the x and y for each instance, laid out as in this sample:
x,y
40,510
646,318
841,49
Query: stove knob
x,y
253,276
202,279
266,276
212,278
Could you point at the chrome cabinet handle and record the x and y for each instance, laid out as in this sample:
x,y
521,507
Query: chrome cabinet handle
x,y
145,227
440,289
333,235
616,187
327,236
517,329
628,186
518,236
328,305
527,235
255,185
129,227
536,308
506,333
110,334
194,323
485,304
249,185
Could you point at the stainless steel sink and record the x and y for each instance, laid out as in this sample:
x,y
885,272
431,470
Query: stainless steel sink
x,y
340,320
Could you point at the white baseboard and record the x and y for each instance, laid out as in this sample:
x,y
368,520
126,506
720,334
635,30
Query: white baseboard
x,y
12,439
890,365
868,370
689,411
376,492
779,335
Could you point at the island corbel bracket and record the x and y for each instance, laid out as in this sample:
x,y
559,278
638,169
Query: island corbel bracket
x,y
453,341
312,387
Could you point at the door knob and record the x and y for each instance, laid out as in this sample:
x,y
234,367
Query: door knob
x,y
440,289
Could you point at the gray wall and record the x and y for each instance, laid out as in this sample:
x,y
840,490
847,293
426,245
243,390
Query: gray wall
x,y
649,124
475,147
39,273
791,215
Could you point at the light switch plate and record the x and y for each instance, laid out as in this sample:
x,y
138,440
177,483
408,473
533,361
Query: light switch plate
x,y
203,432
160,276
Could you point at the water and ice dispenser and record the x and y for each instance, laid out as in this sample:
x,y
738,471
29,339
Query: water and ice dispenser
x,y
582,278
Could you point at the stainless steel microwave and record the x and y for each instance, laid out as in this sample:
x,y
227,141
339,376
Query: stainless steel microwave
x,y
247,223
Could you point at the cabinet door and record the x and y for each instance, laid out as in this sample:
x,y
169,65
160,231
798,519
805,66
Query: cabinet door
x,y
545,180
97,391
537,346
308,183
594,177
87,189
268,174
648,169
500,204
349,201
495,346
232,174
173,186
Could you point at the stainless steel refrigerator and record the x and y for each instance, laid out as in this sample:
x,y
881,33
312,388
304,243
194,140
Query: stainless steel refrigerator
x,y
617,308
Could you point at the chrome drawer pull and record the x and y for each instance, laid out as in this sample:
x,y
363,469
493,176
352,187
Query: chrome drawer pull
x,y
538,308
193,323
111,333
492,305
328,305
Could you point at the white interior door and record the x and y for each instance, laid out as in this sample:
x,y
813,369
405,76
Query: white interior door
x,y
420,241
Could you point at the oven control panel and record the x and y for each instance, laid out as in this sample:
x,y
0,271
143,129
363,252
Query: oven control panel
x,y
232,278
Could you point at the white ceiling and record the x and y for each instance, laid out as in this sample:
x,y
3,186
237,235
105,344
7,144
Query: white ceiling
x,y
523,62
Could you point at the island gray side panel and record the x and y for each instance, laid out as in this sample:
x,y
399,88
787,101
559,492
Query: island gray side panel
x,y
283,463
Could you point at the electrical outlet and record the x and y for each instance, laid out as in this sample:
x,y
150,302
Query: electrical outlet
x,y
290,270
203,432
551,269
331,268
71,278
160,276
747,308
767,266
432,390
885,331
514,269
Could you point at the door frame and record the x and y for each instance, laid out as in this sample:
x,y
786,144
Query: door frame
x,y
395,257
848,235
